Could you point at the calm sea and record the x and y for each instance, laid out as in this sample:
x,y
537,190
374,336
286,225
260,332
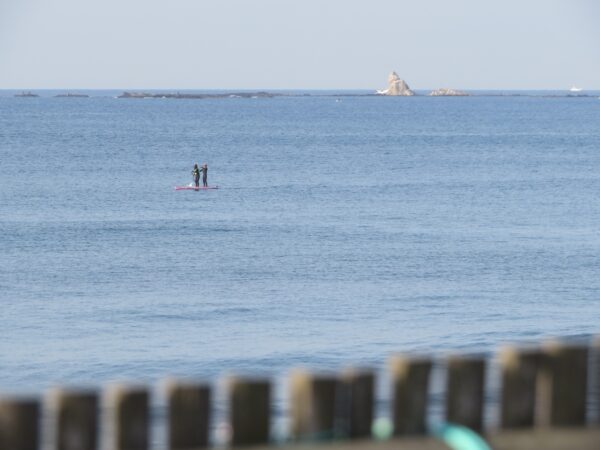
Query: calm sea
x,y
344,229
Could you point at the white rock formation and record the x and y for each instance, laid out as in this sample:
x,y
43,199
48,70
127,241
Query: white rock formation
x,y
442,92
396,86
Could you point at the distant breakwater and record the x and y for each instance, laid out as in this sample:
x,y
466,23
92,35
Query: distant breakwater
x,y
266,94
260,94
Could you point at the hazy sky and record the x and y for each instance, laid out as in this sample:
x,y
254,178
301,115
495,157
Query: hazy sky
x,y
286,44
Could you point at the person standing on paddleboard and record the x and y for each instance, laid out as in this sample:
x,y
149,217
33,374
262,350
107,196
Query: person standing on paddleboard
x,y
204,170
196,175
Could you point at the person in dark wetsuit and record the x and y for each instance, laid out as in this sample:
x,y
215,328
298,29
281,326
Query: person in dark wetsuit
x,y
204,170
196,175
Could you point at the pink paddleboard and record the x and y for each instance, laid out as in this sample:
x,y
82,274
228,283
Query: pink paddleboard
x,y
194,188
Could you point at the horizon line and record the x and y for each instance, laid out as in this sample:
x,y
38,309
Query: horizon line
x,y
268,89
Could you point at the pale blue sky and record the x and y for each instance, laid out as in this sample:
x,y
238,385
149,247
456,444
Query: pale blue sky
x,y
310,44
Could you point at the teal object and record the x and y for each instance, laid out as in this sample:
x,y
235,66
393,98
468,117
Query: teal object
x,y
460,438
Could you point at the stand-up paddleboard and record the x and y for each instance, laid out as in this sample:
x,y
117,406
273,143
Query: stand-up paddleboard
x,y
194,188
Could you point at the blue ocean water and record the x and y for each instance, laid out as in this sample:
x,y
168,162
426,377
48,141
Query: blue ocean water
x,y
345,229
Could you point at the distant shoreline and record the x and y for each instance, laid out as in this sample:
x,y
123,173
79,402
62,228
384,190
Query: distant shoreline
x,y
216,94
